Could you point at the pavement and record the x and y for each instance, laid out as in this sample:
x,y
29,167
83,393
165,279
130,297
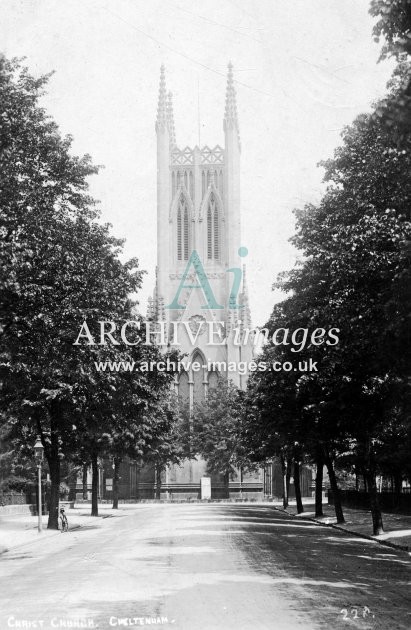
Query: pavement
x,y
17,530
397,527
204,566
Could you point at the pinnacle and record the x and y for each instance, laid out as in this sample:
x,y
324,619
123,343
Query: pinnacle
x,y
162,101
230,116
170,120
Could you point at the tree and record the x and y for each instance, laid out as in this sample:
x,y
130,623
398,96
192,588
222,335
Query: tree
x,y
171,442
353,246
17,471
394,25
123,413
217,431
270,426
353,277
59,266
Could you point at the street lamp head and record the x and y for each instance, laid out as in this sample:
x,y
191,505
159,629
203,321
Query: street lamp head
x,y
38,450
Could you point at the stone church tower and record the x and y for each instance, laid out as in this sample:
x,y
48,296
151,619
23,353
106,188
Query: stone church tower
x,y
200,259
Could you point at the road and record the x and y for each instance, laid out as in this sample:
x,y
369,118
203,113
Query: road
x,y
205,566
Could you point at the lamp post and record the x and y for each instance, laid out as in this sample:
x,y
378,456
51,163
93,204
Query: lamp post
x,y
38,455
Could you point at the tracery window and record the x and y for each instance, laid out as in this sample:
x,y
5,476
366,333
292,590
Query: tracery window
x,y
198,380
173,184
213,229
186,233
209,234
191,178
183,389
212,380
216,234
183,230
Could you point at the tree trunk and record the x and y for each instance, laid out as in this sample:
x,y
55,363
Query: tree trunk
x,y
116,479
94,485
297,487
227,485
319,487
158,481
288,476
397,489
335,490
137,483
84,482
377,525
53,460
365,482
284,469
376,515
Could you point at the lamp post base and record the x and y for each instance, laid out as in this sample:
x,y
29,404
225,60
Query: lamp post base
x,y
40,523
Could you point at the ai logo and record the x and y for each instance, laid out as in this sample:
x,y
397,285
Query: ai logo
x,y
204,284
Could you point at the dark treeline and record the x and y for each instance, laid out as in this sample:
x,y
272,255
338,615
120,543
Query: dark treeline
x,y
352,414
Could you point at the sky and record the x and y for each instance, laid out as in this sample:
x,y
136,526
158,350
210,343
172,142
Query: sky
x,y
303,68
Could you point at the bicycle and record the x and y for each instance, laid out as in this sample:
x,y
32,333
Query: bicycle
x,y
63,521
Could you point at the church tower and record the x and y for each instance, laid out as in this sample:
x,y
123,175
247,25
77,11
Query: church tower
x,y
200,294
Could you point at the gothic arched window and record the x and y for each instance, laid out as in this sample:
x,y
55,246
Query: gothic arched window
x,y
191,178
212,380
183,230
198,379
216,234
186,233
179,236
183,389
209,234
213,229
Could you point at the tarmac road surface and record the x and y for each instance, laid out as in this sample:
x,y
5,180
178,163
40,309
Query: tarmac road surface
x,y
205,566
